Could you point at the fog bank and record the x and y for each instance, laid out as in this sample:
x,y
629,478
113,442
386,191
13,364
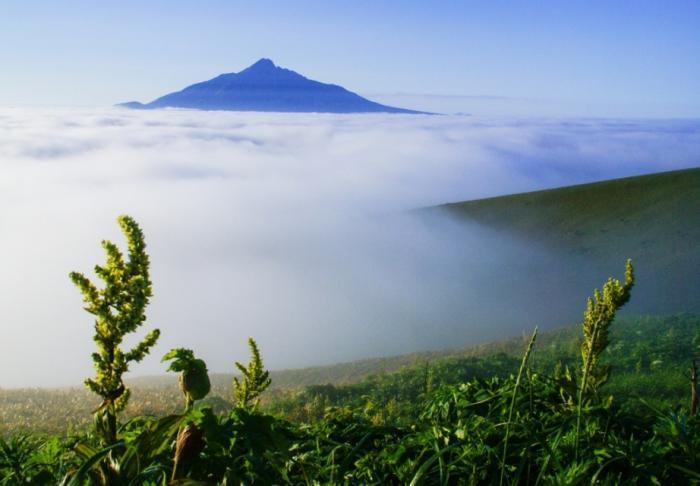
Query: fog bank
x,y
289,228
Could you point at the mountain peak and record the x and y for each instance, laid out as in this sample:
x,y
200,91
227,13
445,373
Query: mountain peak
x,y
263,63
263,86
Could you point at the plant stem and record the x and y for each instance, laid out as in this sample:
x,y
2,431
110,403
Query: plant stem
x,y
512,402
584,381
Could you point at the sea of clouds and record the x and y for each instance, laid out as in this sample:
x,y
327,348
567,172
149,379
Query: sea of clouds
x,y
292,228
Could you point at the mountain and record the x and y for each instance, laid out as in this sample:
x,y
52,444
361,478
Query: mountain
x,y
266,87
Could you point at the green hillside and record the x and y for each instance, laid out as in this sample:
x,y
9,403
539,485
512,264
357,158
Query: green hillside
x,y
653,219
649,357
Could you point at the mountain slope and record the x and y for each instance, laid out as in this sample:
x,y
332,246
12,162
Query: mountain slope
x,y
653,219
266,87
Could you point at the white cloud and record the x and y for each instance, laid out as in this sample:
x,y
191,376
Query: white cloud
x,y
280,226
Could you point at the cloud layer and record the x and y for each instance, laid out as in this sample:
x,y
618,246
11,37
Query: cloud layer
x,y
290,228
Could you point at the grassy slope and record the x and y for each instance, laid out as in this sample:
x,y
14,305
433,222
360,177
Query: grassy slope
x,y
649,356
653,219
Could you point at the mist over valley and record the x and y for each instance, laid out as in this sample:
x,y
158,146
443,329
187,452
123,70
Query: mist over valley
x,y
299,229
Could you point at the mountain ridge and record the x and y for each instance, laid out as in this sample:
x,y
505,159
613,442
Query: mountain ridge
x,y
653,219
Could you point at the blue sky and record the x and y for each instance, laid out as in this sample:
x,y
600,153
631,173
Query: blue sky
x,y
613,58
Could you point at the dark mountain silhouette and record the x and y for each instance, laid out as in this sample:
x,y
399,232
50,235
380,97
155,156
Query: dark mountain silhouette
x,y
266,87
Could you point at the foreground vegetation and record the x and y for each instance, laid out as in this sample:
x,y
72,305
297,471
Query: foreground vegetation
x,y
552,415
650,355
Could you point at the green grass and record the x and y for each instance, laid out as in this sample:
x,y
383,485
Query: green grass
x,y
597,214
649,354
653,219
649,357
441,422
